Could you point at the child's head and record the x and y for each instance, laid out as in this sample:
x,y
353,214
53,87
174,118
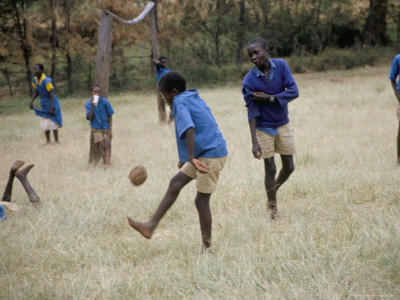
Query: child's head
x,y
163,61
171,84
257,50
96,90
38,69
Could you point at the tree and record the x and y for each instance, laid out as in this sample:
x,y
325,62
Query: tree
x,y
375,25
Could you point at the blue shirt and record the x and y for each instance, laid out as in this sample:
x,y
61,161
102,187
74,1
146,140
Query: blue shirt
x,y
160,72
395,71
101,114
44,86
191,111
280,83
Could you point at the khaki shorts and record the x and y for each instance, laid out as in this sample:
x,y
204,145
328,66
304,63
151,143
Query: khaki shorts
x,y
100,135
398,112
205,182
283,143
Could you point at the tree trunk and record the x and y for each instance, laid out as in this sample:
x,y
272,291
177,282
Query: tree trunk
x,y
103,60
374,32
67,9
24,44
162,118
7,76
240,36
53,40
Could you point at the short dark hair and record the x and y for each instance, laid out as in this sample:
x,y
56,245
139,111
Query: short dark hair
x,y
96,85
41,67
259,41
162,57
172,80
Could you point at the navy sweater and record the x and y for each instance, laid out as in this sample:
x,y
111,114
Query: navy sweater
x,y
281,84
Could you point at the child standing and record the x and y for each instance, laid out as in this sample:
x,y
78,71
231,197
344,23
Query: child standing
x,y
161,69
50,110
394,77
267,89
202,154
99,112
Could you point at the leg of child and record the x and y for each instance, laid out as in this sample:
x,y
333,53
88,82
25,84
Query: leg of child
x,y
21,175
202,202
286,171
270,172
55,133
398,146
8,191
94,150
105,146
47,134
175,185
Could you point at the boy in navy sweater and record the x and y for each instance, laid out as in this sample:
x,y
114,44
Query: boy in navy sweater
x,y
267,89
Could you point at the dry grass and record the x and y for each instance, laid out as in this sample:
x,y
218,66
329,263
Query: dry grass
x,y
338,235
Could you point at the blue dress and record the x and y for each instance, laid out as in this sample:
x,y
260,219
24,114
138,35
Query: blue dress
x,y
44,86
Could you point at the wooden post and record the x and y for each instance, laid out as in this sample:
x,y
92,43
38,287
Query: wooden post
x,y
162,118
104,53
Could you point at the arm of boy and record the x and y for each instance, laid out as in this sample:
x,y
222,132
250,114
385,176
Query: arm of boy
x,y
190,145
396,92
90,115
33,99
262,97
110,127
256,148
51,102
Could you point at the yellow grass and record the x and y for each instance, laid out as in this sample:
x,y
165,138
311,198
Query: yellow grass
x,y
338,235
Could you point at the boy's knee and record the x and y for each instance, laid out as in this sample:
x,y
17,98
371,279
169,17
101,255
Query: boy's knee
x,y
270,170
175,185
202,201
289,169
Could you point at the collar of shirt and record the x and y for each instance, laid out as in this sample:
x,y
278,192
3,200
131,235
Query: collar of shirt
x,y
258,72
193,92
41,79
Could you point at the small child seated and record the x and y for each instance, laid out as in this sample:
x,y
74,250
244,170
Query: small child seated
x,y
99,111
202,154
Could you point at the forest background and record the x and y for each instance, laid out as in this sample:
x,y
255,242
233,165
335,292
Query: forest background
x,y
204,39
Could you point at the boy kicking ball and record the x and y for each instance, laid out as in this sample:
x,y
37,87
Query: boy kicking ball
x,y
202,154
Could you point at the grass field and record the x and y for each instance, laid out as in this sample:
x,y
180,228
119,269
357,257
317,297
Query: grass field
x,y
338,235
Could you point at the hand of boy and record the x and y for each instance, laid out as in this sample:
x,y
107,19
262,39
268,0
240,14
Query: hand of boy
x,y
198,165
256,150
260,96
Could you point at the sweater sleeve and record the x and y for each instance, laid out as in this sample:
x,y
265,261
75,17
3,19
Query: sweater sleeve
x,y
252,107
291,91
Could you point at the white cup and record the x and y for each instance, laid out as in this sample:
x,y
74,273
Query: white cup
x,y
95,99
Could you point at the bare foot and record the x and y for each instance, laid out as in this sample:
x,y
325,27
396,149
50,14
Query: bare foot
x,y
273,208
21,174
142,228
16,165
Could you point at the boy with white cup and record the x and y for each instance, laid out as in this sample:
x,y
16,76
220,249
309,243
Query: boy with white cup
x,y
99,111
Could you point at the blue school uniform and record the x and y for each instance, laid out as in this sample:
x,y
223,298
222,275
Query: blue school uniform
x,y
160,72
101,113
191,111
44,86
395,71
281,84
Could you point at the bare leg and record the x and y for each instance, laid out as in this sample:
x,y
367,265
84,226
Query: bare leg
x,y
21,175
105,146
47,134
202,202
286,171
94,151
175,185
8,191
398,146
55,133
270,172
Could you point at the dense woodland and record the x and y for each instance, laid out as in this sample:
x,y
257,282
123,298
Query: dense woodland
x,y
199,37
